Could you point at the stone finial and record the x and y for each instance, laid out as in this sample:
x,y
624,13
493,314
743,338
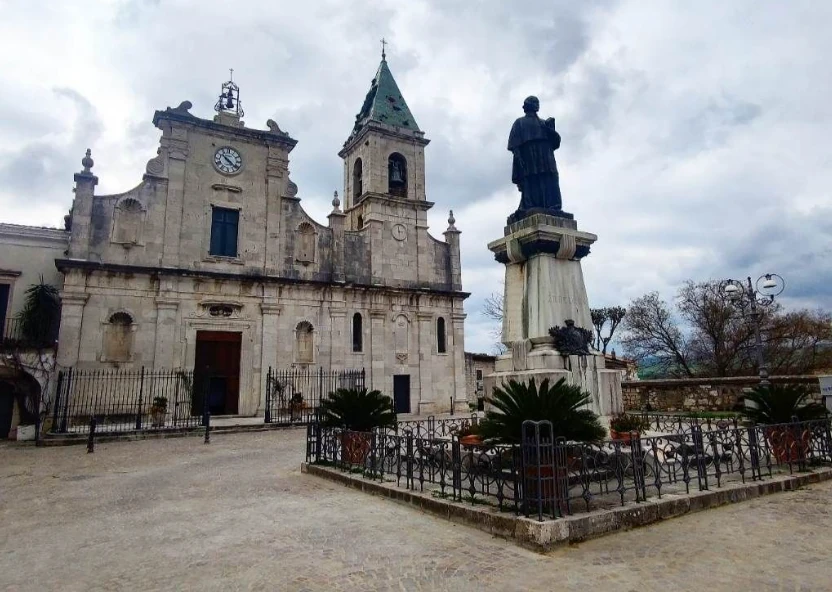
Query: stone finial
x,y
451,221
336,203
87,161
274,128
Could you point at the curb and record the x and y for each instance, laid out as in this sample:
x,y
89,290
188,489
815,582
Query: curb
x,y
78,439
549,534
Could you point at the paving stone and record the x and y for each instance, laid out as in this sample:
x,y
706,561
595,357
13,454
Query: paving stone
x,y
237,514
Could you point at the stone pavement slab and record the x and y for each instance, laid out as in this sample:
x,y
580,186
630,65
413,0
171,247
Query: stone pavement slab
x,y
238,515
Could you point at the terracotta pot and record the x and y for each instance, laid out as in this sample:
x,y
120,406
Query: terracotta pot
x,y
623,437
471,440
550,488
355,446
157,416
785,445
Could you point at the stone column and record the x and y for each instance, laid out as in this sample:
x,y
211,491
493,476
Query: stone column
x,y
427,398
163,355
72,318
336,224
277,171
338,336
268,350
175,143
458,349
379,350
81,220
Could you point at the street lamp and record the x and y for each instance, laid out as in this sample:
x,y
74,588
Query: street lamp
x,y
751,298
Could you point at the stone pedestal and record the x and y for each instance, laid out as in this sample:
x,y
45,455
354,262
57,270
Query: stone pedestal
x,y
544,287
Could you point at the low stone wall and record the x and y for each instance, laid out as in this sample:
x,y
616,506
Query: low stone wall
x,y
700,394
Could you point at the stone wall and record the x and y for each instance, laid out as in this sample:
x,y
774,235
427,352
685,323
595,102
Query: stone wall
x,y
700,394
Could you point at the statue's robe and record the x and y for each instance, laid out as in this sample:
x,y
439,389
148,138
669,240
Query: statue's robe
x,y
533,142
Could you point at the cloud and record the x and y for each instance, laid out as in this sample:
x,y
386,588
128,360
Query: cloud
x,y
695,138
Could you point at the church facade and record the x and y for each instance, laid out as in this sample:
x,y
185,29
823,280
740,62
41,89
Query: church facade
x,y
211,262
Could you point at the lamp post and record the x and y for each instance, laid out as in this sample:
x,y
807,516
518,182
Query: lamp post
x,y
751,298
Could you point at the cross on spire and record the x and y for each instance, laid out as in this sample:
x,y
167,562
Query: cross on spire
x,y
383,44
231,74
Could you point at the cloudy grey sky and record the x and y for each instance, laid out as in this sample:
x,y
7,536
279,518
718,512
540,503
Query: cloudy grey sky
x,y
695,135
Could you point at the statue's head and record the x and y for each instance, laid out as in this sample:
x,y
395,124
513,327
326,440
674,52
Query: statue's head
x,y
531,105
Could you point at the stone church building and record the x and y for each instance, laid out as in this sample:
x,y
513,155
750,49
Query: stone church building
x,y
211,262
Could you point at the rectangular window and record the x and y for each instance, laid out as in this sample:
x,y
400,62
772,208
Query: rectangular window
x,y
224,223
4,303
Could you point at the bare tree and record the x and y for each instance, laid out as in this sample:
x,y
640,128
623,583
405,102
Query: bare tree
x,y
652,332
600,317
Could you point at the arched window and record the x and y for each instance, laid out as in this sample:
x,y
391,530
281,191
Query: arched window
x,y
357,333
128,218
397,175
305,243
118,337
303,339
357,181
441,344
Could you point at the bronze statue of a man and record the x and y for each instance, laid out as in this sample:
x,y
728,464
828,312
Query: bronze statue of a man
x,y
533,142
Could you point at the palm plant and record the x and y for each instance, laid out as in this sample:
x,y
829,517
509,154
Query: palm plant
x,y
781,403
357,410
41,314
561,403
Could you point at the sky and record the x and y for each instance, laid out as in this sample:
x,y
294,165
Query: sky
x,y
695,136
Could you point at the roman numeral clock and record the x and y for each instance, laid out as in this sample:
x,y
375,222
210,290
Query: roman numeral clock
x,y
227,160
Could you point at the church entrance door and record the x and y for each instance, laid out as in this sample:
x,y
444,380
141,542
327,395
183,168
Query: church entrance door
x,y
217,372
401,393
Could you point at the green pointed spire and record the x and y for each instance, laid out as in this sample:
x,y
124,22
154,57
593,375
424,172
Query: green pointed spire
x,y
384,103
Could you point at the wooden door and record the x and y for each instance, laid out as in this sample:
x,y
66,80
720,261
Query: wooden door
x,y
217,372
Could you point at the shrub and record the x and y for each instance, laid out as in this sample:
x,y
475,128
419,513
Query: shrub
x,y
561,403
781,403
628,423
357,410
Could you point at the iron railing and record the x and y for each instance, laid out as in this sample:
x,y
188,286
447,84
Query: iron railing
x,y
678,422
126,400
546,478
294,395
17,334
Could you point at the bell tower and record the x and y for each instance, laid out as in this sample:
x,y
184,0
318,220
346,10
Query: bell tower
x,y
384,155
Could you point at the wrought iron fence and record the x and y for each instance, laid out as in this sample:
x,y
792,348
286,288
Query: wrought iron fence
x,y
547,478
17,333
294,395
678,422
126,400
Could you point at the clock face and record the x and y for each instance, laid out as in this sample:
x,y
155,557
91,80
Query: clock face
x,y
399,232
227,160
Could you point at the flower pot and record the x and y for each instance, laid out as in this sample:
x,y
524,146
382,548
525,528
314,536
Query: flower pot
x,y
552,489
623,437
471,440
786,445
355,446
25,432
157,416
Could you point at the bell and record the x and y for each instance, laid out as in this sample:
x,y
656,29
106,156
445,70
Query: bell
x,y
229,104
396,175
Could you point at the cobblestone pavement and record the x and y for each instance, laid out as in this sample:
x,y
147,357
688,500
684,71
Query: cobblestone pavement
x,y
238,515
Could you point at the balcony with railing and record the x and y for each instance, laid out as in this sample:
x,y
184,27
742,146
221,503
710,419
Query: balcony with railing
x,y
18,334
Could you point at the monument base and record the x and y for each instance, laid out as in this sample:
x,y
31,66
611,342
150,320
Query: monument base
x,y
538,359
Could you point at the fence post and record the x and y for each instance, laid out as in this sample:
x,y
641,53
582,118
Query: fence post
x,y
66,401
141,395
207,426
452,405
91,437
699,451
268,417
57,403
318,441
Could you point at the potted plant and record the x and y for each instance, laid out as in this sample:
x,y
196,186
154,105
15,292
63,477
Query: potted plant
x,y
158,411
296,405
775,405
622,427
562,404
469,435
357,412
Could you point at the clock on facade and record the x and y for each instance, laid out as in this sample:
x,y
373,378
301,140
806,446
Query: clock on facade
x,y
227,160
399,232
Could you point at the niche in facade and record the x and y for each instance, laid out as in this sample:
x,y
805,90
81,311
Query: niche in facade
x,y
118,338
304,353
128,219
397,175
401,338
305,239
